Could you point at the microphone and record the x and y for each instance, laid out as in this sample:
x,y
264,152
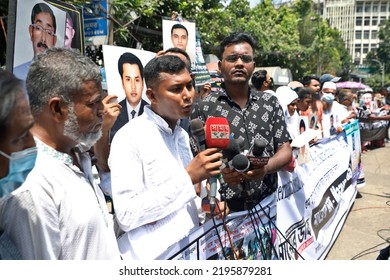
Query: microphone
x,y
217,132
217,136
256,157
198,133
259,147
241,144
241,163
231,150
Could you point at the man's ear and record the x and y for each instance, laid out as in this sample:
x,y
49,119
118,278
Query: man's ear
x,y
30,31
58,109
151,96
54,41
219,65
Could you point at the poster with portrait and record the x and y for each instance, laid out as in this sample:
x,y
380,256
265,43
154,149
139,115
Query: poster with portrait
x,y
313,121
303,124
74,26
303,129
111,56
38,25
180,35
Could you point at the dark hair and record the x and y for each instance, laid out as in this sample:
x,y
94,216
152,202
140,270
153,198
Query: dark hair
x,y
9,87
302,124
170,64
70,19
306,80
183,52
236,38
43,8
343,94
258,78
303,93
131,59
178,26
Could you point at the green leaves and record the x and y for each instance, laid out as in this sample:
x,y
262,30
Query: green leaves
x,y
290,36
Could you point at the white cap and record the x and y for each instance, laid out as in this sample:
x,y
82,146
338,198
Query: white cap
x,y
330,85
285,95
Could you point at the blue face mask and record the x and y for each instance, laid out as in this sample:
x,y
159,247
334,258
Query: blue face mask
x,y
20,165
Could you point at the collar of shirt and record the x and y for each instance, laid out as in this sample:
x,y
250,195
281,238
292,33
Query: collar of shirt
x,y
222,93
160,122
42,147
130,108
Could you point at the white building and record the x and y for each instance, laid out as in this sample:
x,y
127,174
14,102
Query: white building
x,y
358,22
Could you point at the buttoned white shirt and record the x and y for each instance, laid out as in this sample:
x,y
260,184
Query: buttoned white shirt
x,y
59,213
154,198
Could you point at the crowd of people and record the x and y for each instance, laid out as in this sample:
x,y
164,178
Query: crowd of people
x,y
60,124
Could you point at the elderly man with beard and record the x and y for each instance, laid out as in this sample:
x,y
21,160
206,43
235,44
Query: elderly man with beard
x,y
67,215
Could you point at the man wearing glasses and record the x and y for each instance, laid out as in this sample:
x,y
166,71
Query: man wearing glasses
x,y
42,32
251,115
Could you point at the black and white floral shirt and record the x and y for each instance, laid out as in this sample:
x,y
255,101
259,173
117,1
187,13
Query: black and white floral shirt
x,y
262,118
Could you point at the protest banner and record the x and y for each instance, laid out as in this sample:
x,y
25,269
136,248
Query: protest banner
x,y
302,220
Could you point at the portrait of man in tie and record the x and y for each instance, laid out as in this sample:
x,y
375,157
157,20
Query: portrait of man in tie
x,y
131,71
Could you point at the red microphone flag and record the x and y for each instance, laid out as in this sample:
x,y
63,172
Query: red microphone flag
x,y
217,132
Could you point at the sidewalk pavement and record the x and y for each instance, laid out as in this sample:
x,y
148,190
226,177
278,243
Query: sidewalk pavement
x,y
367,228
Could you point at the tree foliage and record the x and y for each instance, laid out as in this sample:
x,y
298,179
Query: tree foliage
x,y
381,54
290,35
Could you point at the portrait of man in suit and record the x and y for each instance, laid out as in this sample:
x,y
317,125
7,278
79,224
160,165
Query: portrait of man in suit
x,y
131,72
42,31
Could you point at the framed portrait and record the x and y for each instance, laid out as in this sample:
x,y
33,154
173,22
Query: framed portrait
x,y
74,25
111,56
180,34
34,26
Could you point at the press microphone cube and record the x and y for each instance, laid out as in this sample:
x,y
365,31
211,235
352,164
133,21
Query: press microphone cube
x,y
256,157
217,132
259,147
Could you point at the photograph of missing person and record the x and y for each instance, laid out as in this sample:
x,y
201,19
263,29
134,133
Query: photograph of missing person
x,y
313,121
74,28
302,125
39,25
303,155
119,69
179,34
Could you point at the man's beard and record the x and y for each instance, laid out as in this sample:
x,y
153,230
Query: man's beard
x,y
72,130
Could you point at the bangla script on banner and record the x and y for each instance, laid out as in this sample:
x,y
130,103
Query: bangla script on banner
x,y
300,221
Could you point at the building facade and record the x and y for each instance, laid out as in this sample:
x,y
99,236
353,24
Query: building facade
x,y
358,21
